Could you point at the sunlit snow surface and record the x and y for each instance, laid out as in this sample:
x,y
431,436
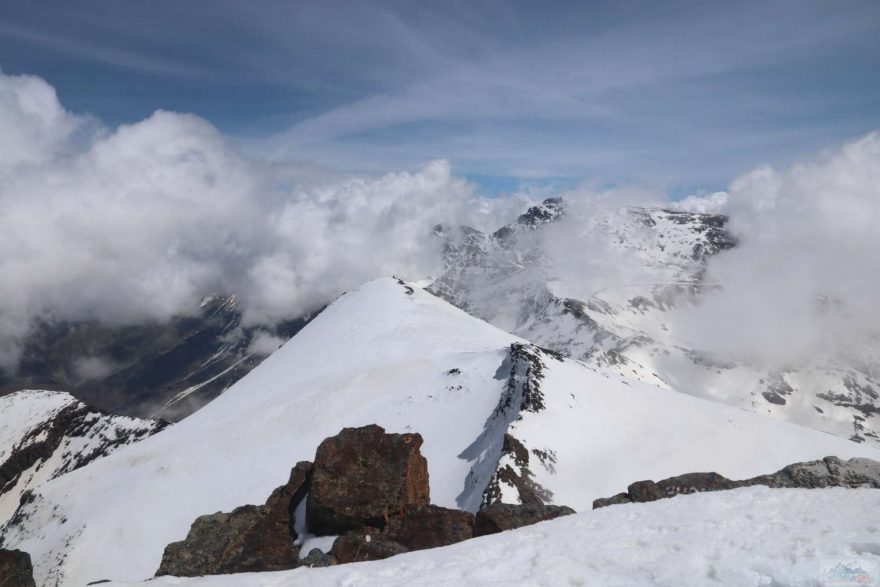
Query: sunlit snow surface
x,y
28,417
743,538
394,355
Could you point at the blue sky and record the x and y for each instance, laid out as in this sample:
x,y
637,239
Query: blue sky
x,y
678,96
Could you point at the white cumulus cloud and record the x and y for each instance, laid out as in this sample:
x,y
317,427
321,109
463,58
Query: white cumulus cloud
x,y
805,277
139,222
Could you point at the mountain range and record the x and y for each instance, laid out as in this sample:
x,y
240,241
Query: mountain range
x,y
523,389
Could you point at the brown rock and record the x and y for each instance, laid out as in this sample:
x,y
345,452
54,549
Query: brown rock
x,y
283,501
828,472
366,544
16,569
364,476
430,527
503,516
251,538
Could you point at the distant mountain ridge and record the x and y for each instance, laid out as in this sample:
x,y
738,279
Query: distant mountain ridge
x,y
507,279
154,369
47,434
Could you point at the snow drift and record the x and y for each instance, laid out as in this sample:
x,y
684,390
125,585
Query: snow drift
x,y
746,537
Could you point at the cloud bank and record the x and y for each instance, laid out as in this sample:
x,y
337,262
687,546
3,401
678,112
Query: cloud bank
x,y
805,278
139,222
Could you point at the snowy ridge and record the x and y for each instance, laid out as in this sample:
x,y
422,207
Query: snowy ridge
x,y
392,354
46,434
507,279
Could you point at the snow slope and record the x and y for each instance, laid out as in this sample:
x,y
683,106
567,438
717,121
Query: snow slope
x,y
746,537
392,354
45,434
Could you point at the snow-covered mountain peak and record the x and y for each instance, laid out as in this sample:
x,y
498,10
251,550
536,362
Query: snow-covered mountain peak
x,y
501,419
615,287
547,211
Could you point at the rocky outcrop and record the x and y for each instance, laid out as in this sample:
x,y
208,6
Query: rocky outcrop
x,y
251,538
82,432
364,476
828,472
430,527
365,544
502,516
16,569
59,435
317,558
514,478
417,529
550,210
367,486
282,504
514,472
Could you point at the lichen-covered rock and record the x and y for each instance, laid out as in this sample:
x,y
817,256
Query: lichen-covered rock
x,y
430,527
828,472
366,544
502,516
364,476
318,558
249,539
16,569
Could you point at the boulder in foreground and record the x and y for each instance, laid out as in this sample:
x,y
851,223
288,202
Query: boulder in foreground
x,y
367,486
500,517
365,544
363,477
16,569
430,527
250,538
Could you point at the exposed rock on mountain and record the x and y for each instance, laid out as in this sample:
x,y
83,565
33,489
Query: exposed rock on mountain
x,y
513,479
15,569
500,517
318,558
165,370
251,538
550,210
46,434
829,472
366,544
230,543
430,526
364,476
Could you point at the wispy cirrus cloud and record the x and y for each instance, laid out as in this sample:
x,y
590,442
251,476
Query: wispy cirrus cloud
x,y
105,54
676,93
